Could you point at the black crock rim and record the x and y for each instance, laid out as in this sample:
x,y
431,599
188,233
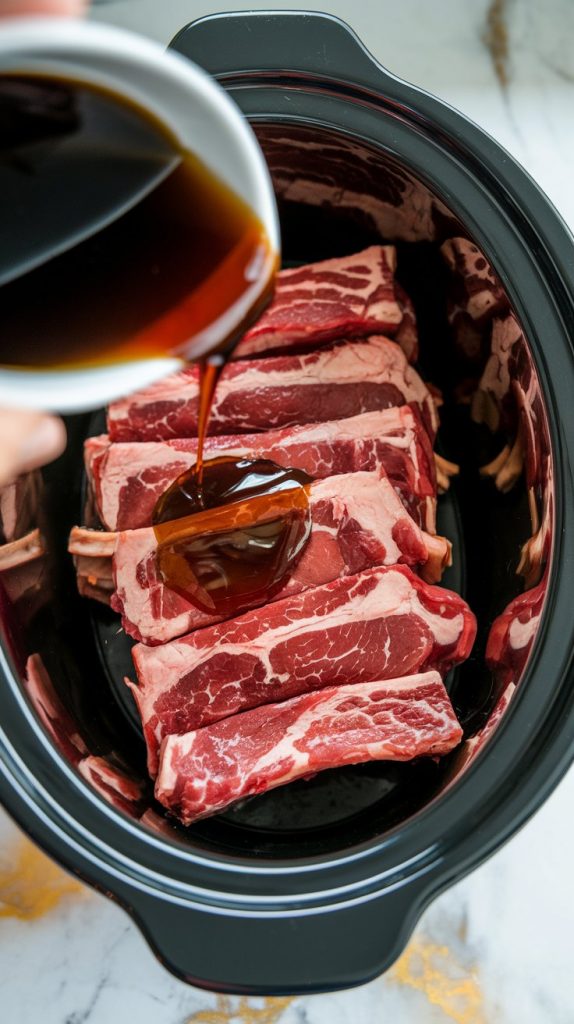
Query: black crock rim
x,y
462,826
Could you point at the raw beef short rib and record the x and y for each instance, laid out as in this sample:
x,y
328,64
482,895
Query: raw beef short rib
x,y
19,505
264,394
390,203
92,551
407,335
474,297
509,398
512,634
49,707
205,771
379,624
127,479
481,294
117,786
346,297
357,521
471,748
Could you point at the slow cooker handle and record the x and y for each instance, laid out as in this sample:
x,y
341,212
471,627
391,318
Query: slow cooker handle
x,y
232,45
280,954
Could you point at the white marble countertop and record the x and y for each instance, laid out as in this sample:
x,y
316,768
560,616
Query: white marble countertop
x,y
497,947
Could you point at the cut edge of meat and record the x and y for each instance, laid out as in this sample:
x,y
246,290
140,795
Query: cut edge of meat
x,y
116,784
206,770
472,747
54,716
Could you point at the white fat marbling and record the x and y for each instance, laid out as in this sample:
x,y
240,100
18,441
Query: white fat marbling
x,y
505,932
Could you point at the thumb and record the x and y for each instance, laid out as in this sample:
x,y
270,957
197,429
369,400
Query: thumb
x,y
28,440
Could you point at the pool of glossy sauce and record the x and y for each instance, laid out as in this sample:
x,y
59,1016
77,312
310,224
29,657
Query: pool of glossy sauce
x,y
229,536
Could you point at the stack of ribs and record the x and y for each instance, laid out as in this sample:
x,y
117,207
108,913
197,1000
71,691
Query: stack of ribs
x,y
507,398
345,663
22,545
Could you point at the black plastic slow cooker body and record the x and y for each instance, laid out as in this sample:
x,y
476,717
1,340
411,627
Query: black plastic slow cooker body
x,y
242,906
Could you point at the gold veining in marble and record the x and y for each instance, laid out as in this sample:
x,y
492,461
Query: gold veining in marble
x,y
242,1011
30,884
436,972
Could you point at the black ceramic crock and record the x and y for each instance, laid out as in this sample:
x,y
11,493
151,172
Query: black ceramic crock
x,y
319,888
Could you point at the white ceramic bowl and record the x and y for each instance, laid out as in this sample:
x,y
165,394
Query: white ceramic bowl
x,y
199,114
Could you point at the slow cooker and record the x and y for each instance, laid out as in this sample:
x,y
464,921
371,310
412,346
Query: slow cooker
x,y
318,886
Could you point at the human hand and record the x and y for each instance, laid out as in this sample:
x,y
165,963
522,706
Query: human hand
x,y
13,8
30,439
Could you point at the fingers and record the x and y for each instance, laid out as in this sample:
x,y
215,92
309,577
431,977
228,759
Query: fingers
x,y
28,440
69,8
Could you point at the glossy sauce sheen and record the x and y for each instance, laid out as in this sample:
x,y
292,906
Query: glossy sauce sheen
x,y
117,245
229,536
